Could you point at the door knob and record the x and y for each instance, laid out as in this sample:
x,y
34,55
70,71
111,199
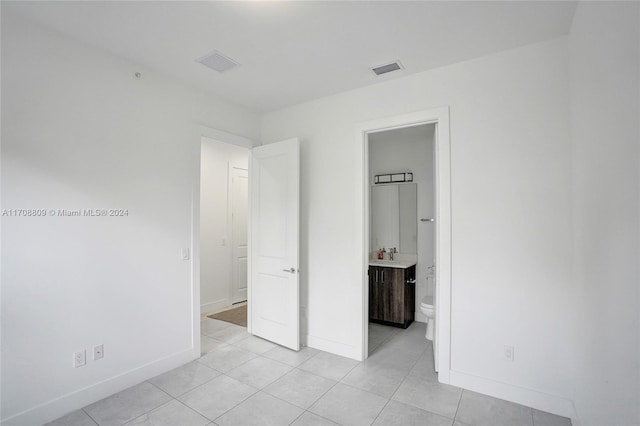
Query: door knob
x,y
290,270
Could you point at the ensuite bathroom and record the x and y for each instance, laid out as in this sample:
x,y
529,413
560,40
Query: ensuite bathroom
x,y
402,232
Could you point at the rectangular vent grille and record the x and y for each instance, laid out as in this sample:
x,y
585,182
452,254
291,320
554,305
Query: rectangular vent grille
x,y
383,69
218,62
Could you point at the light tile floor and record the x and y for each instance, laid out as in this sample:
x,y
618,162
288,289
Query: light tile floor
x,y
243,380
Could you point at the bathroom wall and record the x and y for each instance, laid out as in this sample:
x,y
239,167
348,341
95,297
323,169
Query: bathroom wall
x,y
79,131
215,226
411,149
511,214
605,94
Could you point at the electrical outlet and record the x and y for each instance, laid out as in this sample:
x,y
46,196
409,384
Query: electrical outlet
x,y
79,358
98,352
509,353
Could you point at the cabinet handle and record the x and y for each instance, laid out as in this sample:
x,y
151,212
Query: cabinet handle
x,y
377,280
383,275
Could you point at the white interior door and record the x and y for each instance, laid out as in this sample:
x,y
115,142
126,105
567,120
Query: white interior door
x,y
239,201
274,172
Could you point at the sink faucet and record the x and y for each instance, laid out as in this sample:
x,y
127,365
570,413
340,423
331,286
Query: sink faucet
x,y
391,251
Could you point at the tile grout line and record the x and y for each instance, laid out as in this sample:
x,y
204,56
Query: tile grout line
x,y
458,406
89,415
151,411
533,422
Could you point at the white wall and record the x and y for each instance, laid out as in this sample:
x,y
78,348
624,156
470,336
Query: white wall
x,y
510,157
79,131
605,91
215,226
411,150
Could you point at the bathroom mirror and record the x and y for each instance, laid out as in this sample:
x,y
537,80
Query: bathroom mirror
x,y
394,217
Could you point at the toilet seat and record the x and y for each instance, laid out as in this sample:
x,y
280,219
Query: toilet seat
x,y
427,302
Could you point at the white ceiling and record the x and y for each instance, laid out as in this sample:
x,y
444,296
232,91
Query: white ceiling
x,y
292,52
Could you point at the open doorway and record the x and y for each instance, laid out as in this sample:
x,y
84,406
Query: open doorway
x,y
401,232
439,119
223,230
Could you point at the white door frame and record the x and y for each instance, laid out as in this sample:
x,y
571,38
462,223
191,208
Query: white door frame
x,y
222,136
443,222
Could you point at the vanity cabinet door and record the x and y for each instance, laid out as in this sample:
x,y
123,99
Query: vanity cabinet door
x,y
395,295
376,303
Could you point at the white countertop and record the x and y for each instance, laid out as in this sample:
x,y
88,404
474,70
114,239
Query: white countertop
x,y
392,263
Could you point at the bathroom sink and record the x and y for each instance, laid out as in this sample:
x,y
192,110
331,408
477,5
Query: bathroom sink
x,y
392,263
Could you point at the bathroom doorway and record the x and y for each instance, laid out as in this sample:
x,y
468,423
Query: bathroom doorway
x,y
401,229
432,258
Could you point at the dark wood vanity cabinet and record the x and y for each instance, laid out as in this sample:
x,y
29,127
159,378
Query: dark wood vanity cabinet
x,y
392,295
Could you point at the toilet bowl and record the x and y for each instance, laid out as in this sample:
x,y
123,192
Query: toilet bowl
x,y
426,307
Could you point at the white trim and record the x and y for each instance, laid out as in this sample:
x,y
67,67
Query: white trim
x,y
332,346
215,306
553,404
222,136
58,407
440,116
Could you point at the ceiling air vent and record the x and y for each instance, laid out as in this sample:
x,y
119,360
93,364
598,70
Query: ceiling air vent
x,y
217,62
384,69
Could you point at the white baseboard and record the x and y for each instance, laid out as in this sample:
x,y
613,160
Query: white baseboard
x,y
553,404
51,410
215,306
334,347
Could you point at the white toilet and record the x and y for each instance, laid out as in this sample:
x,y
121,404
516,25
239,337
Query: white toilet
x,y
426,307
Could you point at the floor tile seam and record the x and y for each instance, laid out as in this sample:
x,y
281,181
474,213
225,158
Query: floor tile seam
x,y
257,353
242,363
143,413
323,417
89,415
239,403
220,373
325,377
321,396
279,362
200,385
423,409
226,411
533,422
194,410
294,420
229,343
384,341
160,389
362,390
455,416
383,408
322,377
213,338
453,420
294,366
282,399
209,334
253,386
148,412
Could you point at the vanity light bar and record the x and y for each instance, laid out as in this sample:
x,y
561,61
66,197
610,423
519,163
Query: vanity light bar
x,y
393,178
